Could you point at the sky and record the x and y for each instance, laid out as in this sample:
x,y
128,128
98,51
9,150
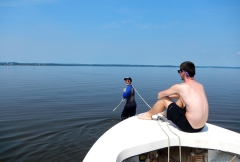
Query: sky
x,y
136,32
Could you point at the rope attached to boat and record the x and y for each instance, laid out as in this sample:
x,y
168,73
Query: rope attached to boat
x,y
158,119
139,96
180,157
162,119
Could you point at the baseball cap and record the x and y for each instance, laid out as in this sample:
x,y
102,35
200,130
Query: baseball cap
x,y
128,78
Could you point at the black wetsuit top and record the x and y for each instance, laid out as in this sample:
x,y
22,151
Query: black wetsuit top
x,y
130,106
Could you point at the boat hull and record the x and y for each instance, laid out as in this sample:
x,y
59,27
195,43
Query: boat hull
x,y
134,137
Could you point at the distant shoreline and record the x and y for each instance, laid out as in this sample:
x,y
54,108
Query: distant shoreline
x,y
62,64
119,65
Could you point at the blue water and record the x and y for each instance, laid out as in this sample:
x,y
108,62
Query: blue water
x,y
56,113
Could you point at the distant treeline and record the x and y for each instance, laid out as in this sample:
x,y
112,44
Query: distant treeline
x,y
122,65
59,64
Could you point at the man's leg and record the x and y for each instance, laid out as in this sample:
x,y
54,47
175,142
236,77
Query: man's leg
x,y
157,108
125,113
180,103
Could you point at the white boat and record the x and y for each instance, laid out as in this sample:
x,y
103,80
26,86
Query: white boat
x,y
136,140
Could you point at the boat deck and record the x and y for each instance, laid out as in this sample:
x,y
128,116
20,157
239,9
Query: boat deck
x,y
135,136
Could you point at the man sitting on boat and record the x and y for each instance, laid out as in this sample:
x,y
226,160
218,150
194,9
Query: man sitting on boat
x,y
190,111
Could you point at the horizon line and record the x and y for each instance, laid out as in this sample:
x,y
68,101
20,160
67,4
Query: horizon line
x,y
98,64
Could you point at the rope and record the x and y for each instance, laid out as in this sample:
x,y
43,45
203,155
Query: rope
x,y
180,156
160,118
233,158
118,105
141,97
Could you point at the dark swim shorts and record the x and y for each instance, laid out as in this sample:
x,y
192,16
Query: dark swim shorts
x,y
177,116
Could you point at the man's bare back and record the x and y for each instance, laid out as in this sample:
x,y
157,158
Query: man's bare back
x,y
191,96
194,99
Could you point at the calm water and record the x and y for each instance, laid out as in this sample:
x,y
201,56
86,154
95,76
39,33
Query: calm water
x,y
56,113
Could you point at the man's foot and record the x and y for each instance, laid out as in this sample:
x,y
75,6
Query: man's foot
x,y
145,116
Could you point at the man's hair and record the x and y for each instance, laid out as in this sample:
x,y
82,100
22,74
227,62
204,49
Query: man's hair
x,y
188,67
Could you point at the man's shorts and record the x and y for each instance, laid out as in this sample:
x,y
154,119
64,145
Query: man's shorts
x,y
177,116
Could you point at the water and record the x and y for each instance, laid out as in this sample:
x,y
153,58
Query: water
x,y
56,113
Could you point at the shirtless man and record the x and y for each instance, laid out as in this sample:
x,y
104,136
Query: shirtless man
x,y
190,111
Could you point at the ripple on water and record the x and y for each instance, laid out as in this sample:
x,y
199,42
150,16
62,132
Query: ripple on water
x,y
53,140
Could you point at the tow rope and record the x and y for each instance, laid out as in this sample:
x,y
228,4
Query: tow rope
x,y
118,105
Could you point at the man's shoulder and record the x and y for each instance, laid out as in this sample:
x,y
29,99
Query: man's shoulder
x,y
192,84
181,85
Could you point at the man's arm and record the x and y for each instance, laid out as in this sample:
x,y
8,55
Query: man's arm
x,y
174,96
171,92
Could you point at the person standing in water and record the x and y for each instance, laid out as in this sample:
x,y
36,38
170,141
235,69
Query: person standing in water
x,y
190,111
129,94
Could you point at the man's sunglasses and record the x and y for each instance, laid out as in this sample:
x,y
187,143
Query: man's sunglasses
x,y
179,71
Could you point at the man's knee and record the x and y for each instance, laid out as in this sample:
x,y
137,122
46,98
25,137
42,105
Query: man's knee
x,y
165,101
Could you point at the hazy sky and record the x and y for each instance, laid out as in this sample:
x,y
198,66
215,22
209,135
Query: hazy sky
x,y
149,32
